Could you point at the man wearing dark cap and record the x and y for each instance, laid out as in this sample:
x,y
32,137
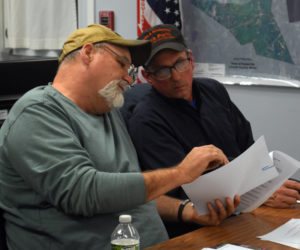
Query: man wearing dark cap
x,y
68,168
179,113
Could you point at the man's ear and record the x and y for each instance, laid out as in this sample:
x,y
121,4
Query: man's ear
x,y
192,60
146,76
87,52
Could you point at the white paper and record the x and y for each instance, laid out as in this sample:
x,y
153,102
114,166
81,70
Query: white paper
x,y
253,175
228,247
209,69
286,167
287,234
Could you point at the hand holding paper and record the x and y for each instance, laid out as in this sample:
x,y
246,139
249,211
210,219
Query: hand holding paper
x,y
254,175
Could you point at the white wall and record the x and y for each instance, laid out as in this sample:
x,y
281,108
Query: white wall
x,y
1,25
125,12
273,112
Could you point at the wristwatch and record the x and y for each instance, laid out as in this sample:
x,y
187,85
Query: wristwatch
x,y
180,209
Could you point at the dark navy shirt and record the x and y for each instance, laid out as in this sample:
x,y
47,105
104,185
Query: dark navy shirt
x,y
164,129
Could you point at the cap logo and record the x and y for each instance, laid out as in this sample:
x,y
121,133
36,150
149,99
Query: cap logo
x,y
155,35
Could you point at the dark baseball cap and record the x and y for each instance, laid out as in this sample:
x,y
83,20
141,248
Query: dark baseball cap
x,y
163,36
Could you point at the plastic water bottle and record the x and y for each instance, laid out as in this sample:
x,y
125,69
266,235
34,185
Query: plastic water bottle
x,y
125,236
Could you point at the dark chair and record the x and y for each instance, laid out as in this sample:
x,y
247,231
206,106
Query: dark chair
x,y
21,75
3,245
132,96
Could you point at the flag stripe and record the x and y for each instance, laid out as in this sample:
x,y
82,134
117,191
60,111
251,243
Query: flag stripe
x,y
153,12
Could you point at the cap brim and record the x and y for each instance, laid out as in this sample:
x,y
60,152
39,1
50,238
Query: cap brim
x,y
169,45
139,49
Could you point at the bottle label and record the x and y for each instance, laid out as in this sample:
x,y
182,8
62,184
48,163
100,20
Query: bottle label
x,y
117,247
125,244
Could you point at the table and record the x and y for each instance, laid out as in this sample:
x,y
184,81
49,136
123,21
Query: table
x,y
240,229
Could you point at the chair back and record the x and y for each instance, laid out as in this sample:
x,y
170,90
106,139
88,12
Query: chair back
x,y
3,245
132,96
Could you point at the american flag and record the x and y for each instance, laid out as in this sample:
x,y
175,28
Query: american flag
x,y
153,12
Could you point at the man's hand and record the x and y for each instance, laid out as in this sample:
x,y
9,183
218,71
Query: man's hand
x,y
215,216
286,196
200,159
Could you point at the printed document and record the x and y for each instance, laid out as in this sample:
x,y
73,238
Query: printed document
x,y
255,175
227,247
288,234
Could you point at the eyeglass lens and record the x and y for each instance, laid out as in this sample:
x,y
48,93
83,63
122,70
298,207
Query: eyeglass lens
x,y
132,70
166,72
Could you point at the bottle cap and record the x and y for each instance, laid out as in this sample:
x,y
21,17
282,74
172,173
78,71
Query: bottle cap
x,y
125,218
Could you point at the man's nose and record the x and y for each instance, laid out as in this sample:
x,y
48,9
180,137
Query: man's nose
x,y
174,74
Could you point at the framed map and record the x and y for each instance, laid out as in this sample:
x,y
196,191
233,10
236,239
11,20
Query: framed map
x,y
245,41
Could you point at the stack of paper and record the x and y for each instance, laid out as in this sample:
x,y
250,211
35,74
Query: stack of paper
x,y
255,175
287,234
227,247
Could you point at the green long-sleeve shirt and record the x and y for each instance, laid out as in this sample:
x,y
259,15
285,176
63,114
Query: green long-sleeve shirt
x,y
66,176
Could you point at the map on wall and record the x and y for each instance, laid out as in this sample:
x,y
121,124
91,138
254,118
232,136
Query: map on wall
x,y
251,41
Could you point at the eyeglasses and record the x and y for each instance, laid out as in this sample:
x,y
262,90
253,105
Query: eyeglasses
x,y
164,73
132,70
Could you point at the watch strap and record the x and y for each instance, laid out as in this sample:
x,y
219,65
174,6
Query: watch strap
x,y
180,209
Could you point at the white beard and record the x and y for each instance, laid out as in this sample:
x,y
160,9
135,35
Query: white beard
x,y
113,93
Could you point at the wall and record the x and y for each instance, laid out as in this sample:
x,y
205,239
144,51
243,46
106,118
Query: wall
x,y
1,25
273,112
125,15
